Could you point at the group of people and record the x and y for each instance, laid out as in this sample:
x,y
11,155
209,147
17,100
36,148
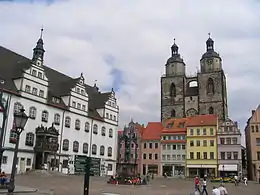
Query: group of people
x,y
221,190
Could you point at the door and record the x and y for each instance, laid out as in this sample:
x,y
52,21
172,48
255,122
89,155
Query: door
x,y
22,165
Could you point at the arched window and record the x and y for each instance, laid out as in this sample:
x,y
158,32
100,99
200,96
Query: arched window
x,y
77,124
45,116
110,133
65,145
173,113
210,86
87,126
109,151
102,150
32,112
94,149
75,146
95,129
17,107
85,148
67,121
29,140
211,110
56,119
103,131
172,90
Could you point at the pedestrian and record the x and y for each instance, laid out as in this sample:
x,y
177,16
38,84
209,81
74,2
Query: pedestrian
x,y
197,183
236,180
215,191
245,181
223,190
204,186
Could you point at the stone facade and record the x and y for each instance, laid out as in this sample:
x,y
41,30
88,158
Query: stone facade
x,y
229,149
205,93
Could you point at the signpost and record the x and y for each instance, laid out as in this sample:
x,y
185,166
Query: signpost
x,y
87,174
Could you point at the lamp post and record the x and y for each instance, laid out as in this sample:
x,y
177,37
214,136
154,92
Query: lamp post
x,y
86,176
3,106
223,167
20,120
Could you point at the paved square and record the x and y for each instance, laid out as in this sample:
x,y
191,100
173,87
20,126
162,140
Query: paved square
x,y
73,185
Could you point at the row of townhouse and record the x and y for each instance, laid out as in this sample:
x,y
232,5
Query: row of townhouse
x,y
67,117
191,146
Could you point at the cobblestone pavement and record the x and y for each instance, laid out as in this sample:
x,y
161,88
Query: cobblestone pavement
x,y
73,185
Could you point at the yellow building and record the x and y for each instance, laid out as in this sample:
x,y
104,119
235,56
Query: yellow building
x,y
201,156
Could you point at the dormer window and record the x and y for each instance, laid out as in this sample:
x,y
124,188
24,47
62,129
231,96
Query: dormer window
x,y
78,106
78,90
34,91
107,115
41,93
82,92
27,89
110,117
83,107
114,118
34,73
74,104
109,103
40,75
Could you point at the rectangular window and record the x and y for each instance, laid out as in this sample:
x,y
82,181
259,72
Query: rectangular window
x,y
145,145
228,140
109,167
258,155
222,141
229,156
150,156
155,156
40,75
183,157
183,147
198,142
4,161
156,145
198,155
198,131
258,141
150,145
256,128
168,157
205,156
211,142
164,147
211,131
178,157
222,155
174,147
178,147
234,140
191,132
204,131
191,143
253,128
191,155
34,91
27,89
34,72
235,155
163,157
173,157
168,147
41,93
144,156
204,143
28,162
83,107
78,106
211,155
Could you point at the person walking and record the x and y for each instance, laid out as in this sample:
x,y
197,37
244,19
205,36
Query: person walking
x,y
245,181
222,190
215,191
197,183
236,180
204,186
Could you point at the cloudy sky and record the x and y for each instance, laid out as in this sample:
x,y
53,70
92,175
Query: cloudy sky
x,y
125,43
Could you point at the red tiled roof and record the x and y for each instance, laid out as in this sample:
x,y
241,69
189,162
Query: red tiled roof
x,y
178,125
152,131
202,120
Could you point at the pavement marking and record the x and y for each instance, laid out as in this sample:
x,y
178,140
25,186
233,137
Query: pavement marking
x,y
163,186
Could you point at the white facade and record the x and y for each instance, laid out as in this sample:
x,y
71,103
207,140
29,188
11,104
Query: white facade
x,y
72,120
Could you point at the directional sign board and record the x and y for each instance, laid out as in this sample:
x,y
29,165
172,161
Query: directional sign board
x,y
80,163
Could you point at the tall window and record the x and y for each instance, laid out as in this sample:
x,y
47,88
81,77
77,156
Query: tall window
x,y
222,155
17,107
110,132
94,149
75,146
109,151
32,112
102,150
173,113
45,115
235,155
210,86
211,110
198,155
103,131
222,140
67,121
77,124
95,129
229,156
85,148
56,119
87,126
211,155
172,90
65,145
191,155
234,140
29,140
13,136
205,155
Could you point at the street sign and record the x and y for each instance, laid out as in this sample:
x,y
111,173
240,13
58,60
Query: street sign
x,y
80,164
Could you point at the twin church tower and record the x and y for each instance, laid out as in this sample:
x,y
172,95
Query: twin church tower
x,y
205,93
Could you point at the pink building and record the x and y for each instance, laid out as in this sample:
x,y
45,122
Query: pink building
x,y
129,149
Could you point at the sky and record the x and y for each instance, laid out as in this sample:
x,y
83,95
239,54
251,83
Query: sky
x,y
125,44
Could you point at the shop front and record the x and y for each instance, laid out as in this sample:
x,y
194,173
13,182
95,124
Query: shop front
x,y
179,170
167,169
226,170
201,170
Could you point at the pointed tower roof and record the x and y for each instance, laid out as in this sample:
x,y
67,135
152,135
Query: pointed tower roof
x,y
38,51
175,54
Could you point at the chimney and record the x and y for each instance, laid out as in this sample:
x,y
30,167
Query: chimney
x,y
253,112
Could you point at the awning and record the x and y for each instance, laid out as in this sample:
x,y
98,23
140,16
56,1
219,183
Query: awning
x,y
224,167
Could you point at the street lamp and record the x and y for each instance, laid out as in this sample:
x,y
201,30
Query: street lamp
x,y
20,120
223,167
3,105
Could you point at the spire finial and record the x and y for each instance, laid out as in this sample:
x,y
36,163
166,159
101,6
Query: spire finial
x,y
174,40
41,32
209,35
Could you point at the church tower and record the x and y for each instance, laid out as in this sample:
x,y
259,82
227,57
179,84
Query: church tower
x,y
173,86
212,83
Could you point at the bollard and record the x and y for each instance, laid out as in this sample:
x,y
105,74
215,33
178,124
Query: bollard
x,y
51,192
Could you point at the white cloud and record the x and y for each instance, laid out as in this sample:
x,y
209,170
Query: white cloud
x,y
139,34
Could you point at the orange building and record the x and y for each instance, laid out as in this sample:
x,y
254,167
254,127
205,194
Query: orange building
x,y
173,147
150,147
